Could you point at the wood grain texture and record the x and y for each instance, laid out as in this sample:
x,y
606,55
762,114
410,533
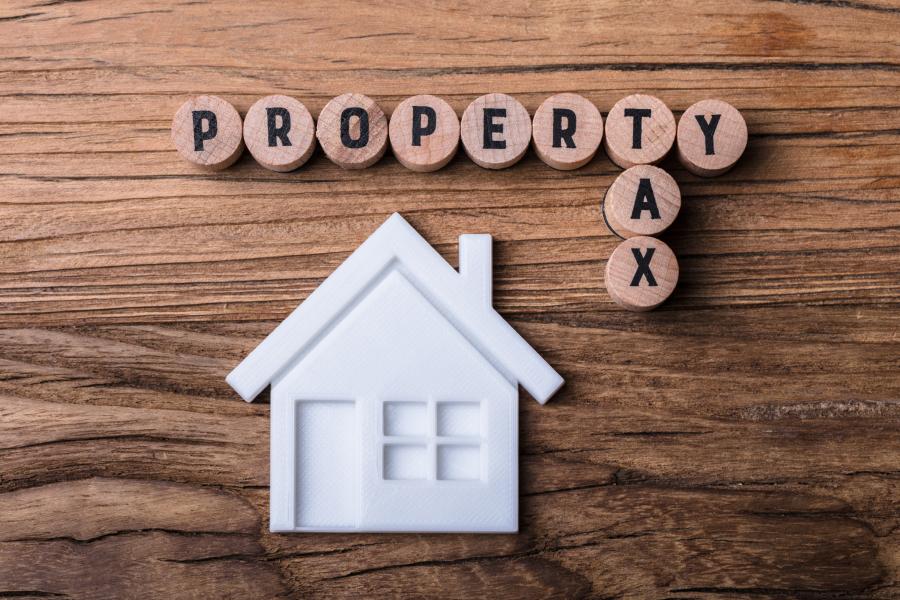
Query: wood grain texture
x,y
641,273
642,200
640,130
291,126
578,127
353,131
206,131
495,130
711,138
739,442
420,140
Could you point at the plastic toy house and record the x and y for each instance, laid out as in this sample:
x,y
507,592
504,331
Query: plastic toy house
x,y
394,394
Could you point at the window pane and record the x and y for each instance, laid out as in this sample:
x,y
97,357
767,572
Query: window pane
x,y
458,462
405,461
459,418
405,418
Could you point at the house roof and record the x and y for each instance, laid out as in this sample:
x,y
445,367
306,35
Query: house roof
x,y
463,297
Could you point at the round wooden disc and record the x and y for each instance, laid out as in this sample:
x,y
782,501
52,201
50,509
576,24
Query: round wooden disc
x,y
266,129
643,200
716,151
636,137
424,132
207,131
558,141
641,273
353,131
509,134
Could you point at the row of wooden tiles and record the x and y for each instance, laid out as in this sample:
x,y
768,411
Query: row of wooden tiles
x,y
425,132
496,130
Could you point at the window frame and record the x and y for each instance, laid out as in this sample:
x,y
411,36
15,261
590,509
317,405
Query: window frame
x,y
432,440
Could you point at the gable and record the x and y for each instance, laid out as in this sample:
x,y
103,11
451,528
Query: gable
x,y
458,296
393,344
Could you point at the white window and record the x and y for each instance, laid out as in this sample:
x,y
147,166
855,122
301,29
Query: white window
x,y
432,440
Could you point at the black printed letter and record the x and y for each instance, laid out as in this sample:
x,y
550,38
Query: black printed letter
x,y
199,134
490,128
638,114
643,267
560,134
709,130
645,200
363,139
419,130
278,133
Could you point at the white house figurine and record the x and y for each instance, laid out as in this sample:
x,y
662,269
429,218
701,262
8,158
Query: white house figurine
x,y
395,394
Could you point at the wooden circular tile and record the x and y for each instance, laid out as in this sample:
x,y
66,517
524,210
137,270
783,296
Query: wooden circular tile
x,y
643,200
424,132
279,132
641,273
712,136
207,131
353,131
567,130
640,130
495,131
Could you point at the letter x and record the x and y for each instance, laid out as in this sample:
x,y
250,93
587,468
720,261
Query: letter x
x,y
643,267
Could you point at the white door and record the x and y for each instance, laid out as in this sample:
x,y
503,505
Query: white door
x,y
327,465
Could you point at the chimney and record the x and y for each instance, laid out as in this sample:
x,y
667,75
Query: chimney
x,y
475,262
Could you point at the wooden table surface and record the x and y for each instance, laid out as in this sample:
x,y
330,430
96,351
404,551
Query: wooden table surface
x,y
740,442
